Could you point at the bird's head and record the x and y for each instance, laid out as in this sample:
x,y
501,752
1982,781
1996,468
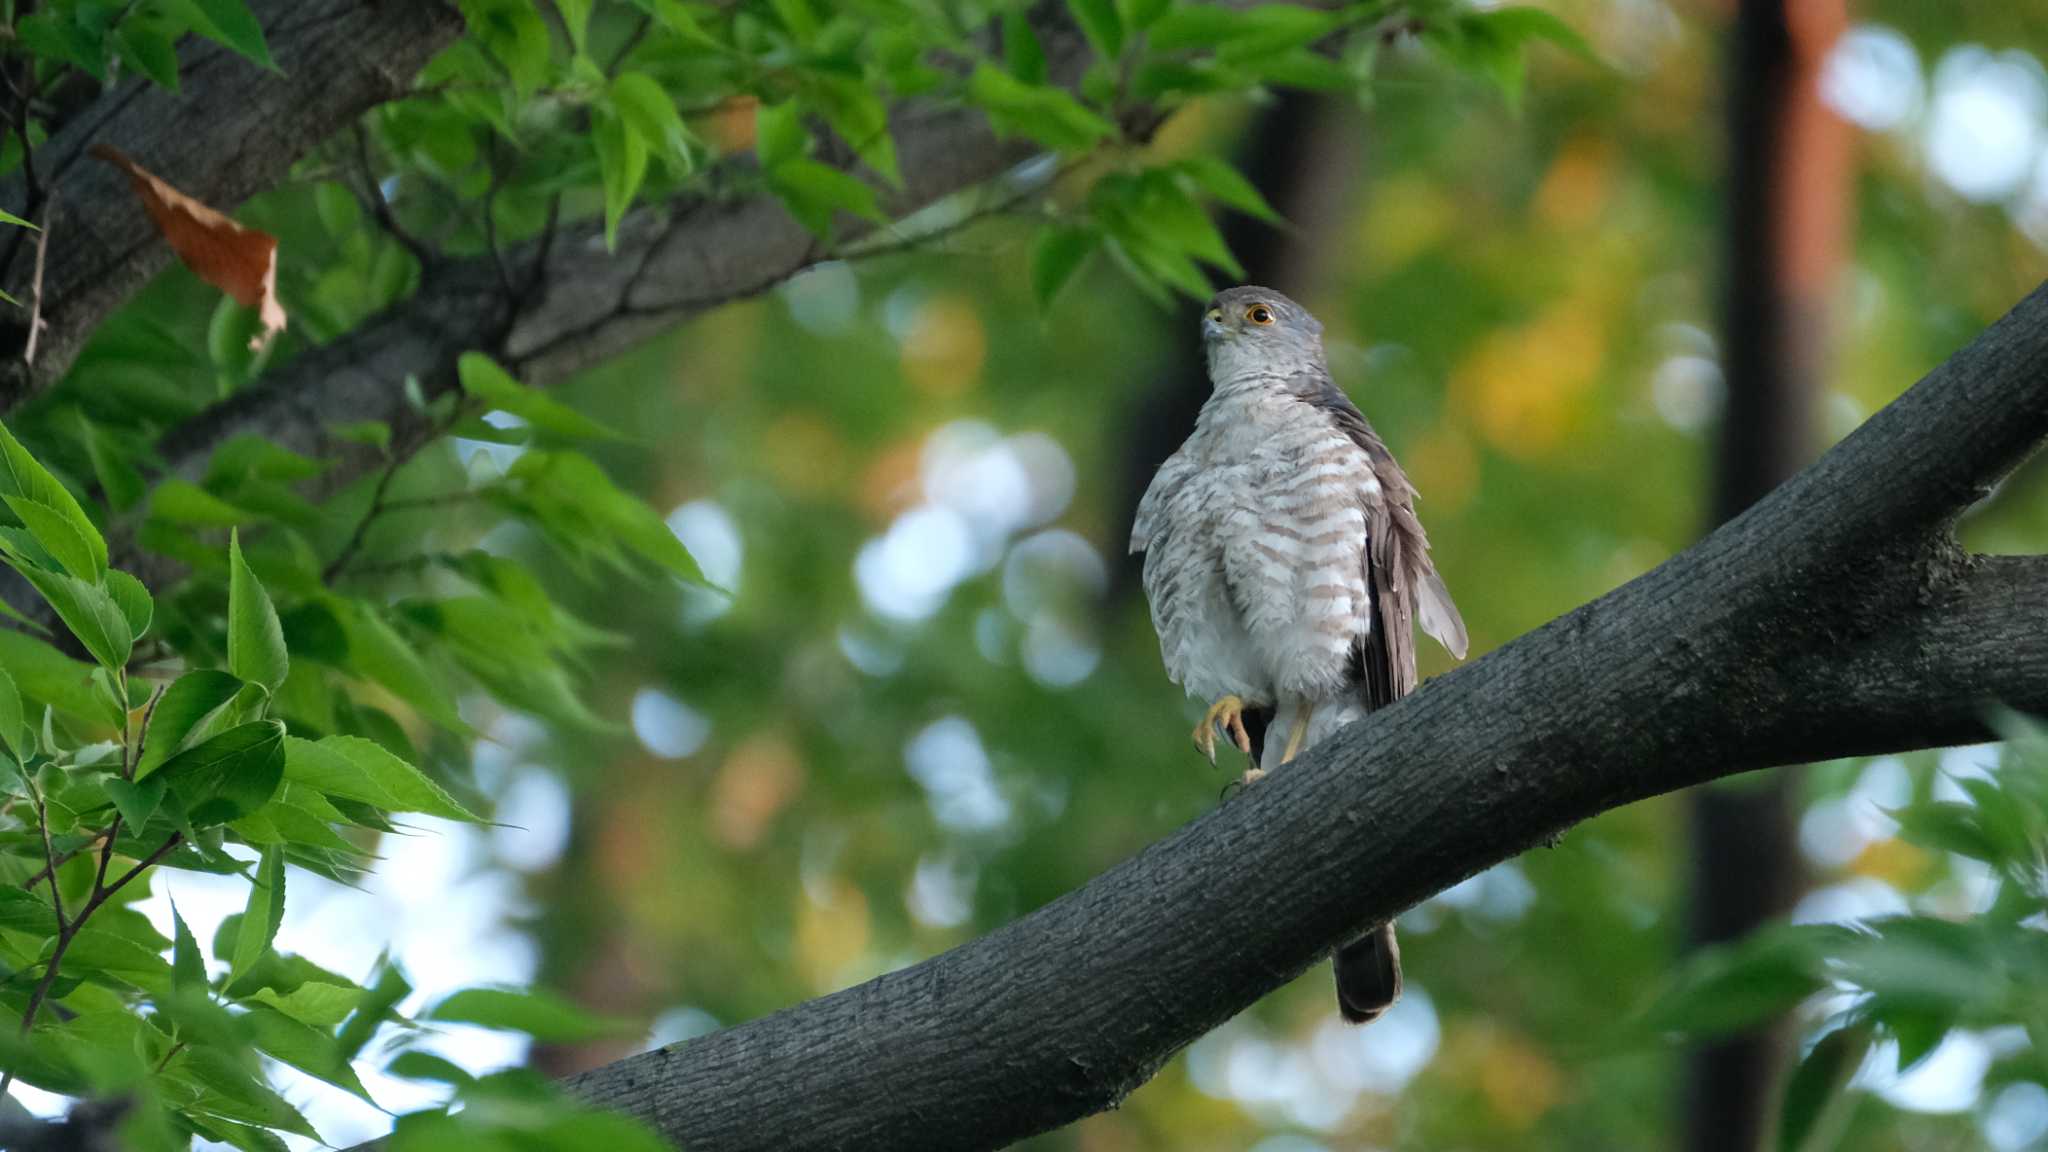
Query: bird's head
x,y
1251,330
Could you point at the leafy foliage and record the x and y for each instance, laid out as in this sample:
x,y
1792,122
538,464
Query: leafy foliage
x,y
198,773
1907,979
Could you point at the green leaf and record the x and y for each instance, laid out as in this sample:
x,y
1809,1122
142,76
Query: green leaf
x,y
377,651
537,1013
255,640
417,1065
182,502
566,488
1946,826
779,134
482,378
185,712
1239,32
150,47
47,676
1815,1104
622,163
376,1006
814,192
1139,15
649,112
134,599
261,917
576,19
1047,115
1101,24
26,912
188,967
57,36
230,775
371,433
14,731
227,22
1022,54
1058,254
245,458
516,36
229,1090
1228,186
87,610
318,1004
308,1049
1733,987
135,802
1493,45
96,952
353,768
855,111
119,479
59,538
23,479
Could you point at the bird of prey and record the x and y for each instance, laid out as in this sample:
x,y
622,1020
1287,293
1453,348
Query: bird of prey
x,y
1285,565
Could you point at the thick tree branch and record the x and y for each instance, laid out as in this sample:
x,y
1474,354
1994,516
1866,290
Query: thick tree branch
x,y
1837,616
232,131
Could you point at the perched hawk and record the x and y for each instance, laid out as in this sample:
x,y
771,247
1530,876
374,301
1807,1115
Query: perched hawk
x,y
1286,567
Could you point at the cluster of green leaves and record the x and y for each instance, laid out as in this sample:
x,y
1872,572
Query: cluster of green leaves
x,y
173,773
105,40
1155,220
1909,979
609,103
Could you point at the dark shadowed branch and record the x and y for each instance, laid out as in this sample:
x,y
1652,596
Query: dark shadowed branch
x,y
1837,616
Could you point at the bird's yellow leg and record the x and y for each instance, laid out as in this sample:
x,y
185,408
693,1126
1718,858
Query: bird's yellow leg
x,y
1229,712
1294,738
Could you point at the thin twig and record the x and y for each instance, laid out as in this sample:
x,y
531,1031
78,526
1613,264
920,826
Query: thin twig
x,y
142,734
632,41
536,273
36,323
494,159
141,865
373,195
336,566
438,500
99,879
63,858
50,864
66,933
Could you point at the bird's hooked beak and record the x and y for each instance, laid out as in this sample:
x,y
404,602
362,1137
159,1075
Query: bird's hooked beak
x,y
1212,324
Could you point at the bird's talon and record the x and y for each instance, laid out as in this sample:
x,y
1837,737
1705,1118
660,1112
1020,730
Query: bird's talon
x,y
1252,776
1229,712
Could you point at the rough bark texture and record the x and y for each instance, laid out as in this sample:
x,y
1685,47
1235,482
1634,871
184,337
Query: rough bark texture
x,y
1835,617
233,131
1787,196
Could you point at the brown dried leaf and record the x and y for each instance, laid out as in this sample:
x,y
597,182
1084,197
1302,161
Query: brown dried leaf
x,y
238,260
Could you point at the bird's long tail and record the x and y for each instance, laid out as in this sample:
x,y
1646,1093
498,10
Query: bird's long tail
x,y
1368,975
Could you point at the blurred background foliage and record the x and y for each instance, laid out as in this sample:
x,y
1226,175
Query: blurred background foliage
x,y
929,699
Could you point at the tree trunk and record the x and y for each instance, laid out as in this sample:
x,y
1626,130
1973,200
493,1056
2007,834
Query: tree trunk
x,y
1788,186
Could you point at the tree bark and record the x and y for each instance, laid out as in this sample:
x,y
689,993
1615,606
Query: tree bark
x,y
1835,617
1788,187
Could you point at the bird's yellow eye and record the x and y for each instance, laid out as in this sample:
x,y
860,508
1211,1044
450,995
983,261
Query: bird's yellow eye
x,y
1259,314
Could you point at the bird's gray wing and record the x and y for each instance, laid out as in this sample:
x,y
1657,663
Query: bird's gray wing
x,y
1401,581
